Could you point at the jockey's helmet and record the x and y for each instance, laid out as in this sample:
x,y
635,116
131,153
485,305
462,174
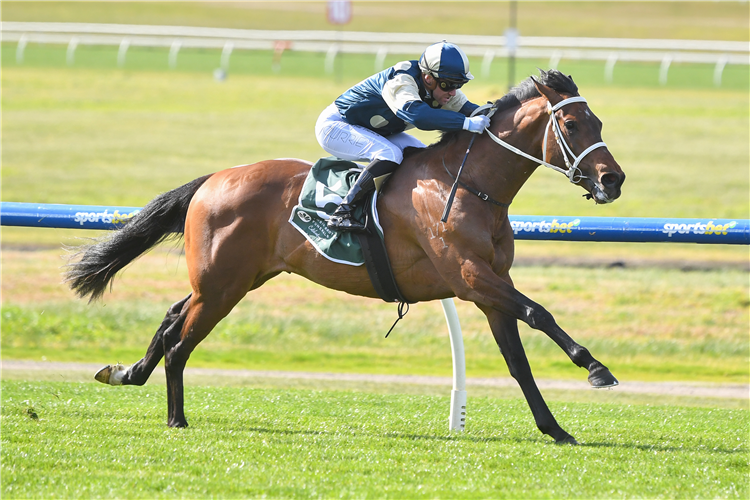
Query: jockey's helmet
x,y
445,61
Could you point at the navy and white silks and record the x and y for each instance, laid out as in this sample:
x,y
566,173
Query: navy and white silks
x,y
369,120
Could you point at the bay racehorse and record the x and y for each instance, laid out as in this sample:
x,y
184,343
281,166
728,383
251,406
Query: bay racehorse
x,y
237,235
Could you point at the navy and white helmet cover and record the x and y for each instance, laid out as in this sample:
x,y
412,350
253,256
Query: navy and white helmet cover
x,y
447,61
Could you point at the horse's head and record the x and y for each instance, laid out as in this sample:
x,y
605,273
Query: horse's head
x,y
573,143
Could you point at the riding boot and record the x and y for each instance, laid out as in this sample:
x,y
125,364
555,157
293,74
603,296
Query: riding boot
x,y
371,178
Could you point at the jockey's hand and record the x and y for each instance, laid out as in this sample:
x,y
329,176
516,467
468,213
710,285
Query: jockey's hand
x,y
476,124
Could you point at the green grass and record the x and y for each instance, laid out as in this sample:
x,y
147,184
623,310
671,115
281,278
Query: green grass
x,y
84,440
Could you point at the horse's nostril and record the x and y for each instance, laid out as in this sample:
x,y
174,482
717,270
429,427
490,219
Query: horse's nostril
x,y
610,180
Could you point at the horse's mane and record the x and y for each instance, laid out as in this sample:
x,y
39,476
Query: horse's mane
x,y
522,92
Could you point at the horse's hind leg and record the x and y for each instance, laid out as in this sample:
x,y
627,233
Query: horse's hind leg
x,y
139,372
195,322
505,331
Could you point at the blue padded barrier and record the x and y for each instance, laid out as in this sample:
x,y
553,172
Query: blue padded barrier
x,y
525,227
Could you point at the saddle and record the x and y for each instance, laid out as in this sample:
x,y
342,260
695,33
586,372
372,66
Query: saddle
x,y
326,184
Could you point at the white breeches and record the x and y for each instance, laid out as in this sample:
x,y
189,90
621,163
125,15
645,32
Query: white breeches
x,y
354,143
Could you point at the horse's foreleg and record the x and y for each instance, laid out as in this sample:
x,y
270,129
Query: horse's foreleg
x,y
486,287
536,316
505,331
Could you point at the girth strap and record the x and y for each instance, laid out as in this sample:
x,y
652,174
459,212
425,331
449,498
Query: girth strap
x,y
379,269
379,266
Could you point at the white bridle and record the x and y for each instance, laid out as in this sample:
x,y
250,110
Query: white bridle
x,y
572,172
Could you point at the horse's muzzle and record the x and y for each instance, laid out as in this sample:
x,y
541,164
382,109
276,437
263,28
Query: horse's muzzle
x,y
607,188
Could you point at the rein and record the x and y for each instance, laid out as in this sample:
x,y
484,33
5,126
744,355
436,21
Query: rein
x,y
476,192
449,203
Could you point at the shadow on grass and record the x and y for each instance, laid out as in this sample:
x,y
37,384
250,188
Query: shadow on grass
x,y
291,432
471,439
287,432
544,440
648,447
541,440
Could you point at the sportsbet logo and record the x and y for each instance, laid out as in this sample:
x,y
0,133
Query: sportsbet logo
x,y
698,228
630,229
106,217
544,226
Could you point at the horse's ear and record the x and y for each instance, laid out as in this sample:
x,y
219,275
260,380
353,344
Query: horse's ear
x,y
552,96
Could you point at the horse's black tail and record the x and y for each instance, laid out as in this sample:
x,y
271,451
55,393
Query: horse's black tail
x,y
161,219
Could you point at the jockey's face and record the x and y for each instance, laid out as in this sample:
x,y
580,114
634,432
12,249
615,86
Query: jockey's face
x,y
440,95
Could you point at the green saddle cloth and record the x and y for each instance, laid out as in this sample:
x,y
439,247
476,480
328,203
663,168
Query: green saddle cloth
x,y
325,186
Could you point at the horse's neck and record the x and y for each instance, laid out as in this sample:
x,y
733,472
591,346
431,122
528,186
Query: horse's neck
x,y
497,171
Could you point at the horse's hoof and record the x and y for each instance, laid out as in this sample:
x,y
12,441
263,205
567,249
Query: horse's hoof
x,y
602,378
111,374
568,439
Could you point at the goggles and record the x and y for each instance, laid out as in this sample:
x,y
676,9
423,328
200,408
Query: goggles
x,y
449,85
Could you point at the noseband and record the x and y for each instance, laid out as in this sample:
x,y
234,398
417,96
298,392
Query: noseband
x,y
573,173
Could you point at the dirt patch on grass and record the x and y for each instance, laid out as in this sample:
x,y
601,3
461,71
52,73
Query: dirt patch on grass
x,y
64,371
633,263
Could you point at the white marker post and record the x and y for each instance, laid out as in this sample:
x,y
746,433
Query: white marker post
x,y
457,420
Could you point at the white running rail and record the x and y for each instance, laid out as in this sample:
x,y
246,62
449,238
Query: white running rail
x,y
606,49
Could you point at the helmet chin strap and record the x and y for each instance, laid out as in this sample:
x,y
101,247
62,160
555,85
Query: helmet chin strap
x,y
427,83
434,103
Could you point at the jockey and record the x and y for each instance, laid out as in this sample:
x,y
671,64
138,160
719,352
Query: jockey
x,y
367,122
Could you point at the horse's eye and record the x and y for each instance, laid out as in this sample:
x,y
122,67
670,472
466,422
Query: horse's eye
x,y
570,125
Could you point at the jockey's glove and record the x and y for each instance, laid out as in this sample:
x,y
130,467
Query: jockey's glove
x,y
476,124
